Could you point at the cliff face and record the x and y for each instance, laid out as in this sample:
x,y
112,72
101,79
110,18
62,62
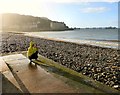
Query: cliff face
x,y
16,22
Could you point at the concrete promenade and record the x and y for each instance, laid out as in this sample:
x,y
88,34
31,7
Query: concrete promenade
x,y
21,77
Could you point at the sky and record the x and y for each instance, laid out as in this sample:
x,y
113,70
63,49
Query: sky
x,y
75,13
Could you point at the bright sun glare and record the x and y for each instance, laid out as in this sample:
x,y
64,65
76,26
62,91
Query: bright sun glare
x,y
35,7
30,7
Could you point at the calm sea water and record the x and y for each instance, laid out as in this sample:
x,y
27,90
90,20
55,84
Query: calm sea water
x,y
83,36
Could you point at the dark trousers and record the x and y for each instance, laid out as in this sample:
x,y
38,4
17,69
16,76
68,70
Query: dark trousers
x,y
34,56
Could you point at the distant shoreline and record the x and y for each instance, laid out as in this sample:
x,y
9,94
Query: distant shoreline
x,y
106,40
67,29
93,42
39,30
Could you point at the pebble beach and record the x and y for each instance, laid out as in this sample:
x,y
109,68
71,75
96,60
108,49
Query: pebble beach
x,y
99,63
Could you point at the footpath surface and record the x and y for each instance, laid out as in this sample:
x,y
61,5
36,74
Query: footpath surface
x,y
21,77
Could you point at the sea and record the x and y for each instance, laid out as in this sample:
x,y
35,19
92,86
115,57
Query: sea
x,y
99,37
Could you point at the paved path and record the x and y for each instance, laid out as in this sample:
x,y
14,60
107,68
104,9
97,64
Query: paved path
x,y
31,78
8,78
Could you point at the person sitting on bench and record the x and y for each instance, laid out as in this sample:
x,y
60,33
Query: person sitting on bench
x,y
32,52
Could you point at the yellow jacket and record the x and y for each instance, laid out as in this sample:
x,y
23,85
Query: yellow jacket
x,y
31,49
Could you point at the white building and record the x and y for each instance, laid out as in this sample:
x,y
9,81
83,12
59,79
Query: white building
x,y
57,25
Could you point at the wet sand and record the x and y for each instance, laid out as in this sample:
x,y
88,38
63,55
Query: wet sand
x,y
101,64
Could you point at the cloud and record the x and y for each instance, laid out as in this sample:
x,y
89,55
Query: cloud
x,y
94,10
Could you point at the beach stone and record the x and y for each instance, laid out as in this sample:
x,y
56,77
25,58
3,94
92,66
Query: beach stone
x,y
112,83
98,70
116,86
102,64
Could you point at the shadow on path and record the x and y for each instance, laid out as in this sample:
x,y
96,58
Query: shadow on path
x,y
8,87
